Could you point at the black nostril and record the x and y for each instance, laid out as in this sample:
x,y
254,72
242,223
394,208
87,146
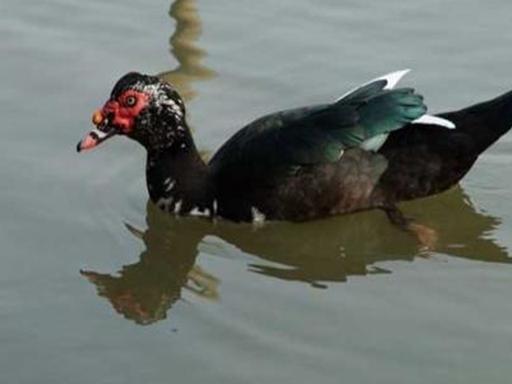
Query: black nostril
x,y
104,123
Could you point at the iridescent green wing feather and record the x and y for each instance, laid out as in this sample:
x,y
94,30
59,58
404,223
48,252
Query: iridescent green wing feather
x,y
319,134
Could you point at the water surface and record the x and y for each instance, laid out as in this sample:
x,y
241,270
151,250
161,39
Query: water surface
x,y
97,286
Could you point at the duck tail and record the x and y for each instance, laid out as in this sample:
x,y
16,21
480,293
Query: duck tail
x,y
485,122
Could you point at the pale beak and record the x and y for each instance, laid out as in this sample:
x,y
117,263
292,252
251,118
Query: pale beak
x,y
99,134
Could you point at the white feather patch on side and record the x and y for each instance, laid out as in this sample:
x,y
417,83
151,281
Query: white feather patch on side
x,y
374,143
257,216
434,120
392,80
200,212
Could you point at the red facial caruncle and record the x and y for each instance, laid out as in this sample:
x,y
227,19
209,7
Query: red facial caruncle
x,y
117,116
124,110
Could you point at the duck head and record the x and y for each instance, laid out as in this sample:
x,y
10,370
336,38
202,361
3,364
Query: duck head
x,y
143,108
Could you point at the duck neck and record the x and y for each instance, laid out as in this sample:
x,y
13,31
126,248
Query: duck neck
x,y
178,179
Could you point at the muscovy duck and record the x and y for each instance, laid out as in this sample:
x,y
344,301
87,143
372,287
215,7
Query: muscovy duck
x,y
372,148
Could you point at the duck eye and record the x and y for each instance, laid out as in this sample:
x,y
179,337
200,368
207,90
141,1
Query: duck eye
x,y
130,101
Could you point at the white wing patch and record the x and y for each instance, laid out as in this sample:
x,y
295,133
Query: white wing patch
x,y
434,120
392,80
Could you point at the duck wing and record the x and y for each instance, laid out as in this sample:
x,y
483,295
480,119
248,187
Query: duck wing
x,y
320,134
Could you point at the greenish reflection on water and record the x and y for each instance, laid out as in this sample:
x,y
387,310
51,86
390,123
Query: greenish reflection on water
x,y
316,252
184,48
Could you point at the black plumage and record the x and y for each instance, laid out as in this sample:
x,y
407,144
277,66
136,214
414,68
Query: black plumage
x,y
363,151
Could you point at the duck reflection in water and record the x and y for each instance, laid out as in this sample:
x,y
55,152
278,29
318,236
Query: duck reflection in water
x,y
183,47
317,253
146,290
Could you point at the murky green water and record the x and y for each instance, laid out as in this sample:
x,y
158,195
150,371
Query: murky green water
x,y
98,287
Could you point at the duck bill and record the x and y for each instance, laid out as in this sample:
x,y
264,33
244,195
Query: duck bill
x,y
94,138
102,132
99,134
